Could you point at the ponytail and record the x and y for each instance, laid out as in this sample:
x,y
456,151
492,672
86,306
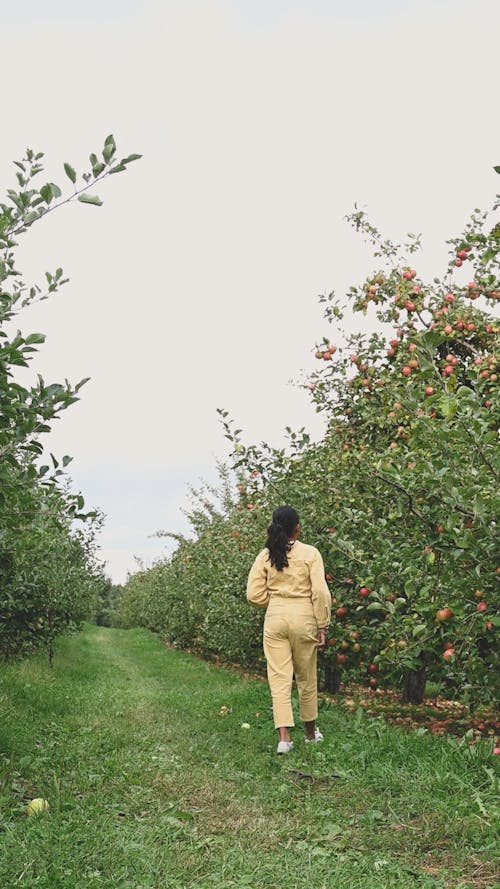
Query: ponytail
x,y
279,532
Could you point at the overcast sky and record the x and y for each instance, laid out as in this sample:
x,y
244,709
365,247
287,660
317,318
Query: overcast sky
x,y
195,286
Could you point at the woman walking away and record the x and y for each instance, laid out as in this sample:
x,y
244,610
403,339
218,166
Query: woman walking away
x,y
288,578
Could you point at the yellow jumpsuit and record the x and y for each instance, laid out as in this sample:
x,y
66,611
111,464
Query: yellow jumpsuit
x,y
298,604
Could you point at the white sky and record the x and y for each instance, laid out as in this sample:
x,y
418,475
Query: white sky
x,y
195,285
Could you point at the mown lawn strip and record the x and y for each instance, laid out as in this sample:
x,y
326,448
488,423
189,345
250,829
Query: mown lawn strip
x,y
150,785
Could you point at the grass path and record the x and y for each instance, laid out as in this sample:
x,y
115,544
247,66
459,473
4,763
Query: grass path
x,y
149,786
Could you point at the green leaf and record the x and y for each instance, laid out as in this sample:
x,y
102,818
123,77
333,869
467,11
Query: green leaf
x,y
49,191
497,169
70,173
81,383
46,193
130,158
418,630
35,338
448,406
109,148
90,199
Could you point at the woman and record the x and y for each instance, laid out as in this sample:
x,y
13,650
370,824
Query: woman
x,y
288,578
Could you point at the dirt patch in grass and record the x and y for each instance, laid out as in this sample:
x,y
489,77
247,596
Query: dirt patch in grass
x,y
476,875
218,811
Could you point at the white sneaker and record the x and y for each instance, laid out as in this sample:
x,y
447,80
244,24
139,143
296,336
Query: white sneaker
x,y
317,737
284,747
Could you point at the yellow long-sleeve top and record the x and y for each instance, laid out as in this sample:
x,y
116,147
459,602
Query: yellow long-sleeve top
x,y
304,578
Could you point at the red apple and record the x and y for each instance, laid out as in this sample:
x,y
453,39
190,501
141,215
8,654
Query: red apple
x,y
373,668
449,653
364,591
341,612
481,606
373,683
341,658
406,371
444,613
429,390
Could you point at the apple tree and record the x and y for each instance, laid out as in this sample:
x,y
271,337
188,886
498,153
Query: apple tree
x,y
42,558
402,496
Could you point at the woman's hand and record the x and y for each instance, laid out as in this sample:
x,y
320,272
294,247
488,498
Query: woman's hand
x,y
321,639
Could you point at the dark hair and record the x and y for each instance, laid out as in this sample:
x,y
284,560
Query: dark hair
x,y
285,520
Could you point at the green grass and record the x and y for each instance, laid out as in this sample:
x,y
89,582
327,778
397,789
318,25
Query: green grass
x,y
150,787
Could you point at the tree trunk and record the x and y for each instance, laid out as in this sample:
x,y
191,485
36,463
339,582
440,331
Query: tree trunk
x,y
332,679
414,686
51,639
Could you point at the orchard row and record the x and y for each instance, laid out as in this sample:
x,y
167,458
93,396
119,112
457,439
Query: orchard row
x,y
402,496
50,577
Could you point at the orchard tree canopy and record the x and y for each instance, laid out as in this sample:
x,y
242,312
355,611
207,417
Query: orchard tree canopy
x,y
45,566
402,497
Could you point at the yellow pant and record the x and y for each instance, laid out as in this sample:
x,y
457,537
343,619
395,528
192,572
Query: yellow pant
x,y
290,646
